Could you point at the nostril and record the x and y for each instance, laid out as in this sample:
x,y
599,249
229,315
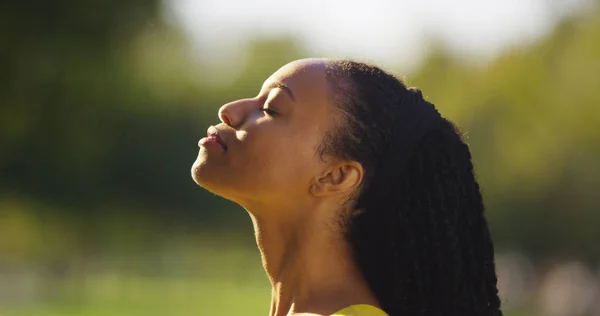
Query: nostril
x,y
224,118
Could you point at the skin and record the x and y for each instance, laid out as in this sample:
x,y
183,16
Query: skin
x,y
271,166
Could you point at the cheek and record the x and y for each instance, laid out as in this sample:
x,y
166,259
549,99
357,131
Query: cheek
x,y
278,162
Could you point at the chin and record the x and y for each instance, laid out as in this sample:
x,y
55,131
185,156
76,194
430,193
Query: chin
x,y
211,178
198,172
206,178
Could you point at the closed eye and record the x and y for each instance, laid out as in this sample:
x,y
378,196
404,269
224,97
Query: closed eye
x,y
269,111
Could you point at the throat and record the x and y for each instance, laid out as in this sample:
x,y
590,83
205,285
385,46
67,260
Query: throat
x,y
310,268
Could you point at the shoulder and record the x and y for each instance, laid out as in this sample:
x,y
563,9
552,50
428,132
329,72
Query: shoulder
x,y
360,310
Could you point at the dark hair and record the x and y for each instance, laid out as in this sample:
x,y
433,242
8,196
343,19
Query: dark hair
x,y
418,234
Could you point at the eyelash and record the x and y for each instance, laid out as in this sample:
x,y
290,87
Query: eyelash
x,y
269,111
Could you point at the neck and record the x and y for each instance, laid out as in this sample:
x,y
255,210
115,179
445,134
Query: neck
x,y
309,264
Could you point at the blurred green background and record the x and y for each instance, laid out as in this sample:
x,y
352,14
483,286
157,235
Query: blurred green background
x,y
101,107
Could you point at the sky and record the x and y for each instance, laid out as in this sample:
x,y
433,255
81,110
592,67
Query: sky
x,y
373,30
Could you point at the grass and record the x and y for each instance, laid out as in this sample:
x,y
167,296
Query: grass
x,y
153,296
209,282
160,297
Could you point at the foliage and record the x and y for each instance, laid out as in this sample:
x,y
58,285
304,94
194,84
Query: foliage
x,y
102,104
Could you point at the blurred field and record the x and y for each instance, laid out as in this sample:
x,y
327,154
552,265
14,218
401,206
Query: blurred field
x,y
223,288
118,295
202,281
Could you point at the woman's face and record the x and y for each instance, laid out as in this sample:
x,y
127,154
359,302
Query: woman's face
x,y
270,153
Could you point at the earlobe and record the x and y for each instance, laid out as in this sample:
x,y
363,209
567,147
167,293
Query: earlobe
x,y
341,178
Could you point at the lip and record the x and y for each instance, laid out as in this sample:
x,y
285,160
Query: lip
x,y
212,138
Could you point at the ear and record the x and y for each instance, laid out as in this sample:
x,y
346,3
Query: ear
x,y
340,178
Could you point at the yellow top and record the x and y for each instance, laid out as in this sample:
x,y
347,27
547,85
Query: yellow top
x,y
360,310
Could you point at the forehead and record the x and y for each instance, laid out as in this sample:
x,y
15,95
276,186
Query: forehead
x,y
307,80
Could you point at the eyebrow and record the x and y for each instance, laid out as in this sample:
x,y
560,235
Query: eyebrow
x,y
282,86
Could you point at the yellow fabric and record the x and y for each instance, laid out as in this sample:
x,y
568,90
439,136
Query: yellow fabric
x,y
360,310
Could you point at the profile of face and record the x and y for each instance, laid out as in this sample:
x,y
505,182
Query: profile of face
x,y
265,151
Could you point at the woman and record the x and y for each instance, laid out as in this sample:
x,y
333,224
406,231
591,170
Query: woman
x,y
362,196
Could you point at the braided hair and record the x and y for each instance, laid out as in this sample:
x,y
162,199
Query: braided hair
x,y
418,232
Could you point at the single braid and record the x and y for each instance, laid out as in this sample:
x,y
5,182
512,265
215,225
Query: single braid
x,y
489,272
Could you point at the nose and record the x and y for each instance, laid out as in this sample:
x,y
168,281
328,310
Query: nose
x,y
234,113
